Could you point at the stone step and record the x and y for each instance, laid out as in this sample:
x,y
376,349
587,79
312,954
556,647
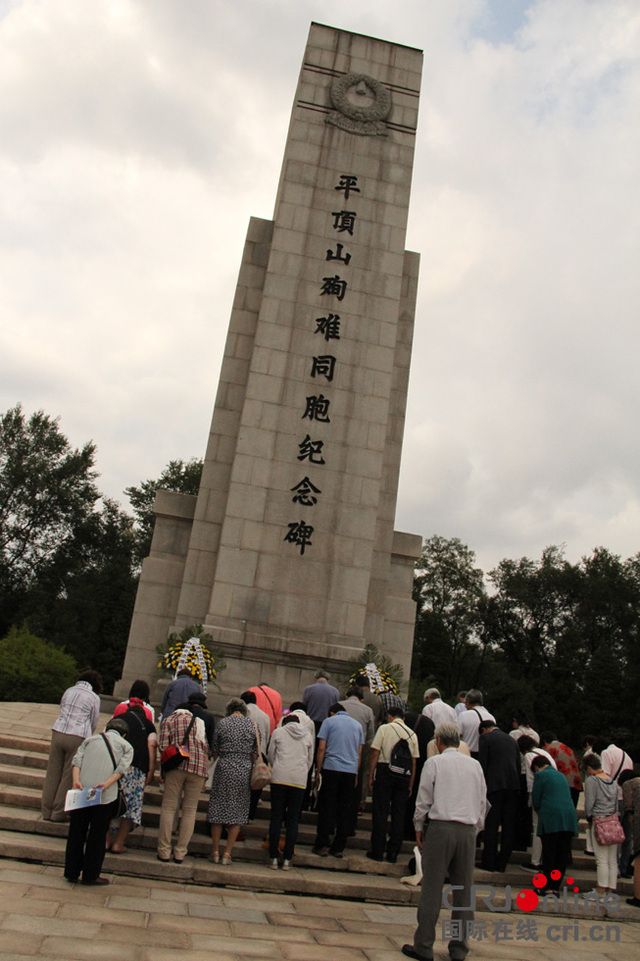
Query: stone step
x,y
16,818
20,776
21,787
303,879
19,810
18,756
21,743
300,880
143,841
25,797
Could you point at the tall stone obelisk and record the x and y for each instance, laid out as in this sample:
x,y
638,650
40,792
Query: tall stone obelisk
x,y
288,556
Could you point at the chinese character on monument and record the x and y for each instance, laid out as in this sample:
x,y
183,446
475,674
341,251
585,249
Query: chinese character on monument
x,y
334,286
323,365
337,255
329,327
304,493
311,450
299,534
344,220
317,408
348,185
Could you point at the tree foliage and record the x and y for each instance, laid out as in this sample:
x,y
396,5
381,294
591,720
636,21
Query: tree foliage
x,y
451,597
69,559
84,602
47,490
66,557
560,641
32,669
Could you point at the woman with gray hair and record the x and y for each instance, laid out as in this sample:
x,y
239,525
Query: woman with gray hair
x,y
235,746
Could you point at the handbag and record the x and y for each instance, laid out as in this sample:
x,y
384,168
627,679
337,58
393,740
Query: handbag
x,y
260,770
608,830
121,800
173,755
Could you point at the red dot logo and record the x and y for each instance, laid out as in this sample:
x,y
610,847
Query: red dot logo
x,y
539,881
555,875
527,900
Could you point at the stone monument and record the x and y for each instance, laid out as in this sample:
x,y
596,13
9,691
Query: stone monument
x,y
288,554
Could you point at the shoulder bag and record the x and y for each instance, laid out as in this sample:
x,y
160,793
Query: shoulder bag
x,y
173,755
607,830
260,771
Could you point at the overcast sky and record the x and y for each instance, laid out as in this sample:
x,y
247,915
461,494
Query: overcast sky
x,y
137,137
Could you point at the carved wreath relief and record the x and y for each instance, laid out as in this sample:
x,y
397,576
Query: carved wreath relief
x,y
361,104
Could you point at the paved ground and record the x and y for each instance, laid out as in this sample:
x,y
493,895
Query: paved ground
x,y
140,920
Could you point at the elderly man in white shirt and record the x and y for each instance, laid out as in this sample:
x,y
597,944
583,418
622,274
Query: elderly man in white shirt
x,y
436,709
469,721
453,794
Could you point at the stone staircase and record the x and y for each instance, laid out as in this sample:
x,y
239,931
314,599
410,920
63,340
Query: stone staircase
x,y
25,836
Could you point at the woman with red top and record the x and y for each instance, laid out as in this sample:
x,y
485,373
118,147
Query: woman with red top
x,y
566,762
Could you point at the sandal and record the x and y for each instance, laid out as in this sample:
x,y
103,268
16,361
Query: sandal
x,y
215,857
226,859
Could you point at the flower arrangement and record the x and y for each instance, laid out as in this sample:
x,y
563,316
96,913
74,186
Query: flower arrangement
x,y
378,680
192,649
382,673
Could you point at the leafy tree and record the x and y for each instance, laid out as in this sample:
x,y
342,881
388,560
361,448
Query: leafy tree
x,y
32,669
47,491
84,602
560,641
564,641
184,478
448,645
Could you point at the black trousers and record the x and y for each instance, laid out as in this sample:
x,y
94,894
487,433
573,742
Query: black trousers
x,y
556,852
86,841
335,804
286,805
523,822
390,794
501,817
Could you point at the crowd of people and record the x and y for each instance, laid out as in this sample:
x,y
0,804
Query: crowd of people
x,y
447,777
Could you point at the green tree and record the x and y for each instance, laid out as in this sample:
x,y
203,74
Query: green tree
x,y
564,641
178,476
47,491
84,602
449,647
32,669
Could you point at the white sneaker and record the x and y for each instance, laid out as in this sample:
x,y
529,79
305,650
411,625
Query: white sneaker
x,y
286,865
274,864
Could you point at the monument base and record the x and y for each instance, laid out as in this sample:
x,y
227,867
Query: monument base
x,y
254,653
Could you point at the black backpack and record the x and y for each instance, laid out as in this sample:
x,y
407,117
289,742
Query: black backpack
x,y
401,760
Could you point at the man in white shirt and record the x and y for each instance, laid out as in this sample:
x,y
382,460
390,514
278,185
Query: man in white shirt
x,y
469,721
453,794
461,704
436,709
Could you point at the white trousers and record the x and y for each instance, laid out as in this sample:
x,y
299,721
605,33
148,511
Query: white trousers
x,y
606,863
